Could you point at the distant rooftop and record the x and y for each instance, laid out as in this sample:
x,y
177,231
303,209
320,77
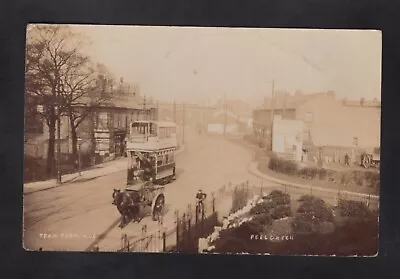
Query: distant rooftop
x,y
284,100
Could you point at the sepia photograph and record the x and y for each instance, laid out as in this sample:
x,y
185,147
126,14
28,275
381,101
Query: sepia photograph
x,y
203,140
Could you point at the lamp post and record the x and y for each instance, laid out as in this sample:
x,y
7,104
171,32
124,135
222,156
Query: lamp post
x,y
79,156
59,181
39,109
183,123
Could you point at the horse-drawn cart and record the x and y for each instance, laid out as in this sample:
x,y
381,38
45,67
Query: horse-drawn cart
x,y
370,159
135,203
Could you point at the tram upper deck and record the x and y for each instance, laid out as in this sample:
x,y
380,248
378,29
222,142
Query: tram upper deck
x,y
148,136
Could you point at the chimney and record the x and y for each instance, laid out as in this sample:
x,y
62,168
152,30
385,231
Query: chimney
x,y
331,94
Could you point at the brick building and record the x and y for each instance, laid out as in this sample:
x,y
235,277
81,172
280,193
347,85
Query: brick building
x,y
334,126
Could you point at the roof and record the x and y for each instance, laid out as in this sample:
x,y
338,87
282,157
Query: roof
x,y
237,107
288,101
158,123
115,102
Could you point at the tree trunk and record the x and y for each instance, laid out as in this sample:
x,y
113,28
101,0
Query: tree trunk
x,y
92,135
51,145
74,138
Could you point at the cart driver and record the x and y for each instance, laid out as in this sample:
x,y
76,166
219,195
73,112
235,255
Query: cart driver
x,y
200,197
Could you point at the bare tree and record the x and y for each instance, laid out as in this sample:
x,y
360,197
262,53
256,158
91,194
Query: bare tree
x,y
86,89
56,74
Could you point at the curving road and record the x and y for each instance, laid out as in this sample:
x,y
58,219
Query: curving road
x,y
78,215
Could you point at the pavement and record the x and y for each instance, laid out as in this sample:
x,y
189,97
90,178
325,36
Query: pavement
x,y
99,170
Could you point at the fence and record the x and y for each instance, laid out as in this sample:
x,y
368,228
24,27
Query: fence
x,y
331,196
190,225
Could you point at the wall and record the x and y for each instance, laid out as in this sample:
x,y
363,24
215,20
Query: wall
x,y
287,137
219,129
334,124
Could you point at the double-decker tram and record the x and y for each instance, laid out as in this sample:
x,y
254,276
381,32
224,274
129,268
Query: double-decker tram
x,y
151,147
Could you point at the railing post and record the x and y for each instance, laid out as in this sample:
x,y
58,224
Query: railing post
x,y
184,227
197,214
189,230
177,230
164,240
213,203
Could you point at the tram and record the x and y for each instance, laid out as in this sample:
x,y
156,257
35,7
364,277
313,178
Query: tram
x,y
150,148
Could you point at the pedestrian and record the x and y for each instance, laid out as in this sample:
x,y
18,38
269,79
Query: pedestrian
x,y
346,160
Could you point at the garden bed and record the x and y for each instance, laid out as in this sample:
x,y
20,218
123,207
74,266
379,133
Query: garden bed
x,y
275,226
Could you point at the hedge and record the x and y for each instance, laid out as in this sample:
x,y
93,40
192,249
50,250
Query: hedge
x,y
358,177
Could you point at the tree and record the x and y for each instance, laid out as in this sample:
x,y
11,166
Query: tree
x,y
58,76
86,89
48,50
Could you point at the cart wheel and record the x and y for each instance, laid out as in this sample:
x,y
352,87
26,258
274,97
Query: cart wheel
x,y
158,208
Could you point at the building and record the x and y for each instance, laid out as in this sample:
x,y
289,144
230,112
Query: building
x,y
238,117
287,140
333,127
103,131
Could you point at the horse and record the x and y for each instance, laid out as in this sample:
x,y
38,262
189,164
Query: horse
x,y
127,204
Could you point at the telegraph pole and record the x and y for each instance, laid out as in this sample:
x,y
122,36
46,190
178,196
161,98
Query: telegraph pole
x,y
144,107
272,106
284,104
183,123
225,114
175,111
58,150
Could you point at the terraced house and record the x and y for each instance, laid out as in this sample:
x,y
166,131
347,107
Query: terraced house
x,y
331,127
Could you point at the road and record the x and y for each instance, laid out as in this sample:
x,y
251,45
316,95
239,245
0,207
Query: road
x,y
75,216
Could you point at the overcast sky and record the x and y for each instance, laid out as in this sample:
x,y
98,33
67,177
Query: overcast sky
x,y
196,64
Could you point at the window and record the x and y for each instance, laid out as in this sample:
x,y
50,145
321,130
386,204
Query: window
x,y
162,133
355,141
153,129
308,117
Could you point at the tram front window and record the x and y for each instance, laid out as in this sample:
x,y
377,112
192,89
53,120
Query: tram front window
x,y
141,129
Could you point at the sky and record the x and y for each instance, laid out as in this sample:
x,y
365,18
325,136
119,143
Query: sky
x,y
201,65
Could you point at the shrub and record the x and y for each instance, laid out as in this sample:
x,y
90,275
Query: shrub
x,y
308,173
283,166
278,197
264,219
307,199
372,179
263,207
284,200
358,178
246,229
276,194
354,209
231,245
322,174
345,178
316,208
305,223
310,198
281,212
